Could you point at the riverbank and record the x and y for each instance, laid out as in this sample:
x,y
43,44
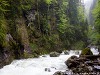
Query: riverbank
x,y
88,63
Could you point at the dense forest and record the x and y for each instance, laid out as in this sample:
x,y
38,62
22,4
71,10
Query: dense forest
x,y
96,29
29,28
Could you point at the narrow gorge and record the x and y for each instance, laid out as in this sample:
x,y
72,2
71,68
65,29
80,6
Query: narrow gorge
x,y
39,37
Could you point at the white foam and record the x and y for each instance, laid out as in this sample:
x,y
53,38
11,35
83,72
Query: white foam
x,y
94,51
36,66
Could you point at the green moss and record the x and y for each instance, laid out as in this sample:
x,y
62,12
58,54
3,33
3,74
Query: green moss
x,y
27,55
86,51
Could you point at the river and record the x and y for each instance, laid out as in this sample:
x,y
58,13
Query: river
x,y
44,65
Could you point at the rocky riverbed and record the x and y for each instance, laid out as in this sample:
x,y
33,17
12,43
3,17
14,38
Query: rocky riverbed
x,y
70,62
88,63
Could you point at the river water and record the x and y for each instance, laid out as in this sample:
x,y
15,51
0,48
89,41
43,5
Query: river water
x,y
38,66
44,65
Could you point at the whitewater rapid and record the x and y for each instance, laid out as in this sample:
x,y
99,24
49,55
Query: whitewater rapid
x,y
44,65
37,66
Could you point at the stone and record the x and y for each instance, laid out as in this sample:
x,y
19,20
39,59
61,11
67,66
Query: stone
x,y
85,63
97,68
54,54
47,69
71,62
59,51
58,73
66,52
86,51
43,55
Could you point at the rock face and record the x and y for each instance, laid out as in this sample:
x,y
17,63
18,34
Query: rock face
x,y
54,54
12,50
6,52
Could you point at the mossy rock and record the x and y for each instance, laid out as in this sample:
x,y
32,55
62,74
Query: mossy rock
x,y
54,54
86,51
35,55
27,55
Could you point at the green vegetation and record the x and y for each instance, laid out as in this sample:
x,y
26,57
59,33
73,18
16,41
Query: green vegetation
x,y
42,26
86,51
97,23
94,29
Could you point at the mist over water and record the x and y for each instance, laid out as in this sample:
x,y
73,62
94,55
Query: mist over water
x,y
89,5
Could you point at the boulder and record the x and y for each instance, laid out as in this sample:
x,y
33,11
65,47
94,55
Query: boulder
x,y
86,51
85,63
58,73
59,51
66,52
81,69
47,69
43,55
54,54
71,62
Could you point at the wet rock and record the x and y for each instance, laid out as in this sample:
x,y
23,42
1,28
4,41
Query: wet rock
x,y
80,69
53,68
35,55
54,54
85,63
71,62
90,63
66,52
77,52
68,72
86,51
58,73
47,69
90,68
82,59
97,68
59,51
44,56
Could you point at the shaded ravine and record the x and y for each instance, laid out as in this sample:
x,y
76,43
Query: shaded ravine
x,y
44,65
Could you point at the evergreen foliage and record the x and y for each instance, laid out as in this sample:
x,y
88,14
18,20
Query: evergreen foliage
x,y
42,26
96,30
